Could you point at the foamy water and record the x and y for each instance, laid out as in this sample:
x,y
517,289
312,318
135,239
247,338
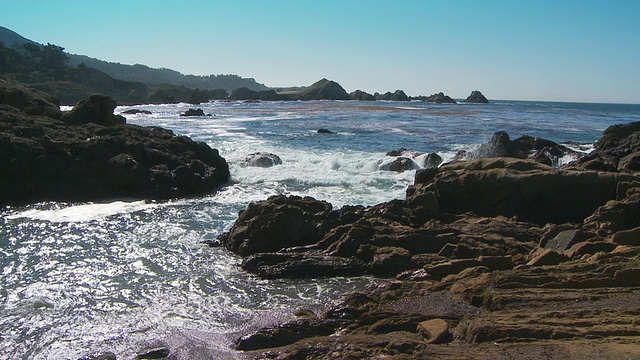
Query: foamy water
x,y
124,275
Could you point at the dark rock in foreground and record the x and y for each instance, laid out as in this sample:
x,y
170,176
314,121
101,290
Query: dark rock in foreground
x,y
477,97
90,154
497,257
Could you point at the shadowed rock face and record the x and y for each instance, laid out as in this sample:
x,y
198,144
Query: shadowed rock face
x,y
91,154
617,150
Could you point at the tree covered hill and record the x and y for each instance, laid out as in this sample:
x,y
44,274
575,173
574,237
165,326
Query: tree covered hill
x,y
73,77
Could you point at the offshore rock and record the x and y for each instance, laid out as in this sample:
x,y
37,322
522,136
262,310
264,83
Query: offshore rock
x,y
399,164
325,90
477,97
361,95
90,154
193,112
440,98
397,95
137,111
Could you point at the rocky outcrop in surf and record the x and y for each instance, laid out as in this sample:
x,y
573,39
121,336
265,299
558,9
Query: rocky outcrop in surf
x,y
397,95
477,98
617,150
484,253
91,154
261,159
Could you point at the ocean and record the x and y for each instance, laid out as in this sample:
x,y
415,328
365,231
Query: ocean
x,y
127,275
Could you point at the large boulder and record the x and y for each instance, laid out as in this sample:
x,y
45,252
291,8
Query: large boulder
x,y
617,150
275,224
542,150
476,97
97,109
30,101
98,157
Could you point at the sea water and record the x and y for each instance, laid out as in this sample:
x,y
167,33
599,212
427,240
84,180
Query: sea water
x,y
122,276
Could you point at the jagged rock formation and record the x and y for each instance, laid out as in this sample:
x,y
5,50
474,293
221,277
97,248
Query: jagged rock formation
x,y
477,97
439,98
361,95
498,256
91,154
397,95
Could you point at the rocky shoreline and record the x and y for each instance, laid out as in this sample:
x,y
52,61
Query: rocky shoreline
x,y
490,258
90,154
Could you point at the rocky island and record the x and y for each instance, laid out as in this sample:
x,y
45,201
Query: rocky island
x,y
497,257
90,154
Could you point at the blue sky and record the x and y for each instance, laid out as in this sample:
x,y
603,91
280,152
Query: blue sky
x,y
563,50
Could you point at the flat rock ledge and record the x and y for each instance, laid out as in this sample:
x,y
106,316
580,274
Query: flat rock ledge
x,y
495,258
90,154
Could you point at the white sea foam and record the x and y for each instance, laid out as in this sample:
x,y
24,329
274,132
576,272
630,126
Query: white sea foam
x,y
82,213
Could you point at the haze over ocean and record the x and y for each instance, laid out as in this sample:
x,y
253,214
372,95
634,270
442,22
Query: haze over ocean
x,y
583,51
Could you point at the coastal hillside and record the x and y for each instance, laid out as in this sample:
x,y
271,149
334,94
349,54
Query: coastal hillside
x,y
71,78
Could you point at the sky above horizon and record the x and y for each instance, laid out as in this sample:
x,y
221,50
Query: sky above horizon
x,y
569,50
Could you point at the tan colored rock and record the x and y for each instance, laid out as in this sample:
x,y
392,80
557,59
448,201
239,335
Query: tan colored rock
x,y
436,331
548,257
589,248
627,237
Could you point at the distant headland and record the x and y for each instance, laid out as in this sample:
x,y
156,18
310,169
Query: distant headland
x,y
71,78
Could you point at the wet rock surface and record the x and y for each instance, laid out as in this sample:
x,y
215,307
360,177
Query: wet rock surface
x,y
91,154
492,258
